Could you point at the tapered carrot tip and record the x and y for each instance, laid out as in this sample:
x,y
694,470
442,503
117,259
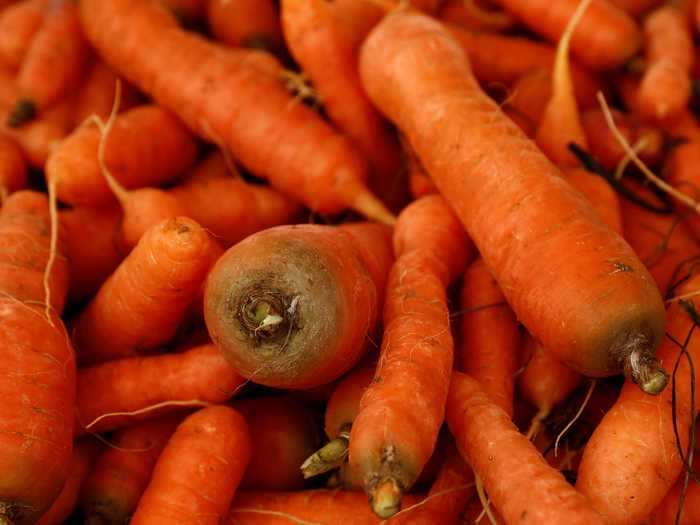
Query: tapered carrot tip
x,y
646,371
385,499
24,111
328,457
371,207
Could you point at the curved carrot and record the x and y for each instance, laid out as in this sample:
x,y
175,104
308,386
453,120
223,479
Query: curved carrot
x,y
396,429
115,394
600,194
608,316
18,25
309,160
246,23
13,167
292,306
142,303
520,484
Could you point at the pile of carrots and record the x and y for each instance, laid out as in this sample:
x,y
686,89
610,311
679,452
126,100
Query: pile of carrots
x,y
349,262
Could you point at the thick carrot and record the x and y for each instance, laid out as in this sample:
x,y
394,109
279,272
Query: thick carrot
x,y
283,432
600,194
605,38
469,14
293,306
246,23
632,458
395,431
37,363
84,453
665,87
120,474
148,386
13,167
142,303
199,470
226,92
489,348
18,25
146,146
520,484
54,62
602,314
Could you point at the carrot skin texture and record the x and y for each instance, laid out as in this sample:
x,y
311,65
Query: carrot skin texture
x,y
344,403
199,470
600,194
483,143
245,23
136,383
18,25
520,484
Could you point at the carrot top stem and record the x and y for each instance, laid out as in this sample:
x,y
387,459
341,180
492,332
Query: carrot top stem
x,y
385,498
642,367
24,111
268,314
329,456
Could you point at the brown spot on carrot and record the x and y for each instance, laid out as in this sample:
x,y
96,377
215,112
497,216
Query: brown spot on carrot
x,y
621,267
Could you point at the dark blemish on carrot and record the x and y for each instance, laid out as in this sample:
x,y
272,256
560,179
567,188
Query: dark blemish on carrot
x,y
621,267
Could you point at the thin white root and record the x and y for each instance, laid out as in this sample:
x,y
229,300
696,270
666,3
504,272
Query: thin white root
x,y
164,404
53,247
484,500
575,418
624,161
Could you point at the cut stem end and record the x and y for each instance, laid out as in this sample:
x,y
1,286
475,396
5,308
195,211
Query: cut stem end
x,y
385,499
643,369
328,457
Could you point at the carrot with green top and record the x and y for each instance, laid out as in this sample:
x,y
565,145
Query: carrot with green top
x,y
573,282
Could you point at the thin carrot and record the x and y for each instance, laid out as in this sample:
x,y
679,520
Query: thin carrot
x,y
13,167
142,303
600,194
310,161
115,394
120,474
246,23
37,363
605,39
54,62
530,94
489,350
608,316
469,14
199,470
18,25
520,484
396,429
293,306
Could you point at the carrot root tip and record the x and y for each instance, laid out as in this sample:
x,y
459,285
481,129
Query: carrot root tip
x,y
328,457
24,111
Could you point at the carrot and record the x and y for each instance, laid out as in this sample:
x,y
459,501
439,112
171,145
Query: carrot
x,y
636,8
600,194
18,25
490,338
53,64
632,458
13,167
292,306
680,169
115,394
8,89
469,14
37,363
419,180
330,507
84,453
665,513
246,23
142,303
120,474
608,316
310,162
146,146
520,119
400,414
665,87
520,484
605,39
283,432
198,472
187,11
530,94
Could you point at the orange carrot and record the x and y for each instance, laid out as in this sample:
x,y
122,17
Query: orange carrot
x,y
395,431
632,458
605,39
680,168
521,120
284,433
246,23
520,484
310,161
198,472
18,25
600,194
187,11
13,167
142,303
469,14
120,474
84,453
146,146
665,512
8,89
54,62
636,8
292,306
603,314
419,180
115,394
665,87
490,343
37,363
530,94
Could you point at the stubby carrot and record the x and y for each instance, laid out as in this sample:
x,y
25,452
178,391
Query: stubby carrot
x,y
520,484
600,194
18,25
245,23
146,146
573,282
115,394
310,161
396,429
293,306
13,167
199,470
120,474
37,363
142,303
